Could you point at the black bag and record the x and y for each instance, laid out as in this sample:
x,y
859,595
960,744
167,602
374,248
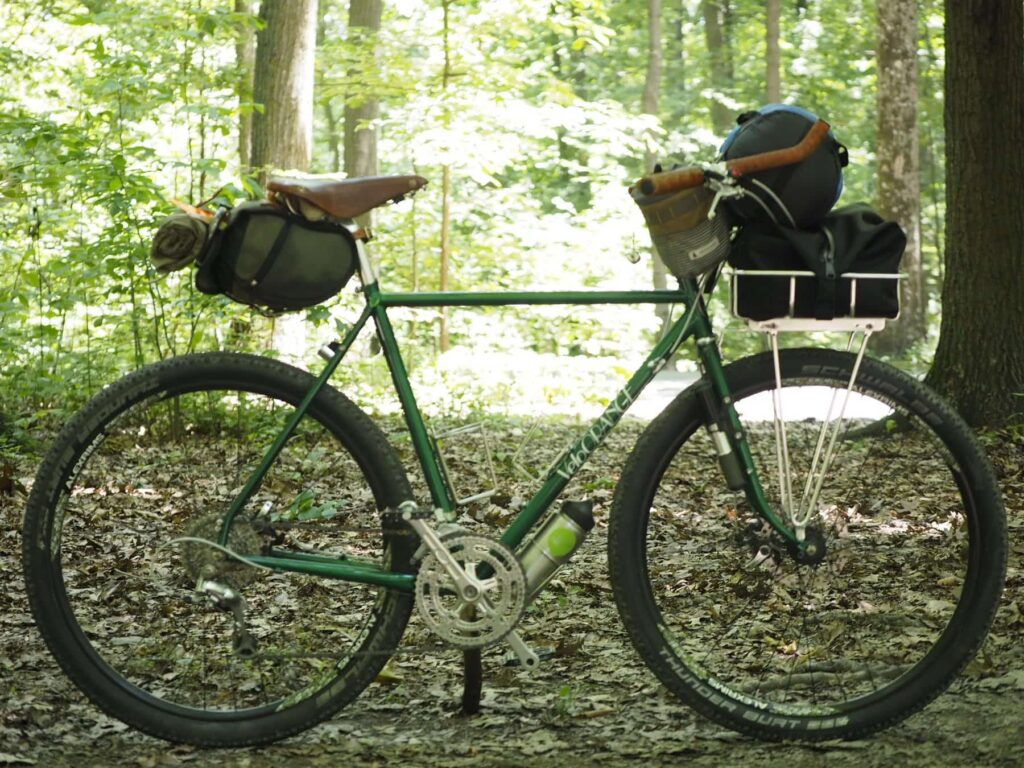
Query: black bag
x,y
801,194
852,240
262,255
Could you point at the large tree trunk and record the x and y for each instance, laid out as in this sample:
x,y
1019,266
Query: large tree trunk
x,y
716,34
282,135
245,59
899,187
979,362
773,56
362,111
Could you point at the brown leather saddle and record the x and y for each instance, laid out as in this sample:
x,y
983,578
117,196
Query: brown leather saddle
x,y
348,198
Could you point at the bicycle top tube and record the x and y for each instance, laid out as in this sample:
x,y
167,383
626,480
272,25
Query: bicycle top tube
x,y
377,296
527,298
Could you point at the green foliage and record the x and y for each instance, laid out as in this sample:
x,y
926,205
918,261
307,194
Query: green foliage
x,y
304,508
104,129
113,108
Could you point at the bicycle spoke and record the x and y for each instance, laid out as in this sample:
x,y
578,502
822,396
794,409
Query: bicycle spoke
x,y
809,635
135,521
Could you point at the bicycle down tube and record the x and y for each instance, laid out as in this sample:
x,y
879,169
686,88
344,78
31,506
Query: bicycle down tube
x,y
692,322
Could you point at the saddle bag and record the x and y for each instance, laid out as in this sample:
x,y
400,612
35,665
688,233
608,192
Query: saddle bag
x,y
262,255
848,267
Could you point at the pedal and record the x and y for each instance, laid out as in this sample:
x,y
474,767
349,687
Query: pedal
x,y
243,643
410,510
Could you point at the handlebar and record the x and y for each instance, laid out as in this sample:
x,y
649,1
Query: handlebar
x,y
693,176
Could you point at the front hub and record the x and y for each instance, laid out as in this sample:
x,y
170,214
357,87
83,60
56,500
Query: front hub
x,y
811,550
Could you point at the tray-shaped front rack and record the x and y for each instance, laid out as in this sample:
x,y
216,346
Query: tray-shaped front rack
x,y
791,322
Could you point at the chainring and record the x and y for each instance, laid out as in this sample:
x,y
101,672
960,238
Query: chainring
x,y
503,592
209,562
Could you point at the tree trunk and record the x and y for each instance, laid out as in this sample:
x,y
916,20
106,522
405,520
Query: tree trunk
x,y
446,248
716,34
652,83
333,126
362,111
773,56
899,184
282,135
446,183
245,59
979,363
649,106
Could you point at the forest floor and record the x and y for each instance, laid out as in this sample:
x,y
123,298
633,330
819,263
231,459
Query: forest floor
x,y
594,703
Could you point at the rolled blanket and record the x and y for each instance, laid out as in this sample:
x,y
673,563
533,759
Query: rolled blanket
x,y
178,241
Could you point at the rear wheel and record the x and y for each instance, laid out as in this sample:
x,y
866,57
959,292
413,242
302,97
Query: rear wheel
x,y
157,457
842,643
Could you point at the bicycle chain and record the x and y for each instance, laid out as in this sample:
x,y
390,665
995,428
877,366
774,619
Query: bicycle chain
x,y
341,656
392,525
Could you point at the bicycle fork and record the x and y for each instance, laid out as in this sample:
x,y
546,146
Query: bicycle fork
x,y
733,452
727,433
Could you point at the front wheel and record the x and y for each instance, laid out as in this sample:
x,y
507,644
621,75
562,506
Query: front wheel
x,y
778,645
114,551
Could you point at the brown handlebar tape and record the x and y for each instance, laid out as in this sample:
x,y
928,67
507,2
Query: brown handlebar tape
x,y
780,157
685,178
671,181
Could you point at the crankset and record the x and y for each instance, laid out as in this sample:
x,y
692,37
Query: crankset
x,y
470,590
485,609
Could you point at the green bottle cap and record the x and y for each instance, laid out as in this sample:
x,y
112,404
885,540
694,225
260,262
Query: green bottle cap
x,y
561,542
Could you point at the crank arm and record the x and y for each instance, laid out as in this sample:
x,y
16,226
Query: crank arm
x,y
528,658
469,588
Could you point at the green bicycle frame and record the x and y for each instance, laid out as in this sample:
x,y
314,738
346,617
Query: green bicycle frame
x,y
694,322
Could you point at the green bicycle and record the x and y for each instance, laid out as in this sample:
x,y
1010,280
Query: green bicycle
x,y
804,544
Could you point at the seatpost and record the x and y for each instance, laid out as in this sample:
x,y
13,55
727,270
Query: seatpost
x,y
368,271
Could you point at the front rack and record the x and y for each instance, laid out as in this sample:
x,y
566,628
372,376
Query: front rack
x,y
790,322
801,506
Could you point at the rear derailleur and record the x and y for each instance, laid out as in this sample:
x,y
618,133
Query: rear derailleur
x,y
224,598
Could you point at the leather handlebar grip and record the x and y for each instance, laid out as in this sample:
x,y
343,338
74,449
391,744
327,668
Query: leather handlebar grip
x,y
686,178
671,181
780,157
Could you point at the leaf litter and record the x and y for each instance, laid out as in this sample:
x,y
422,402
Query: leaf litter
x,y
593,703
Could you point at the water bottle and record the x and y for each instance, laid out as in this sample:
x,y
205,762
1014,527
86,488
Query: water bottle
x,y
555,544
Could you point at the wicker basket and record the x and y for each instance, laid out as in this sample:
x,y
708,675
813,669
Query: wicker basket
x,y
688,242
